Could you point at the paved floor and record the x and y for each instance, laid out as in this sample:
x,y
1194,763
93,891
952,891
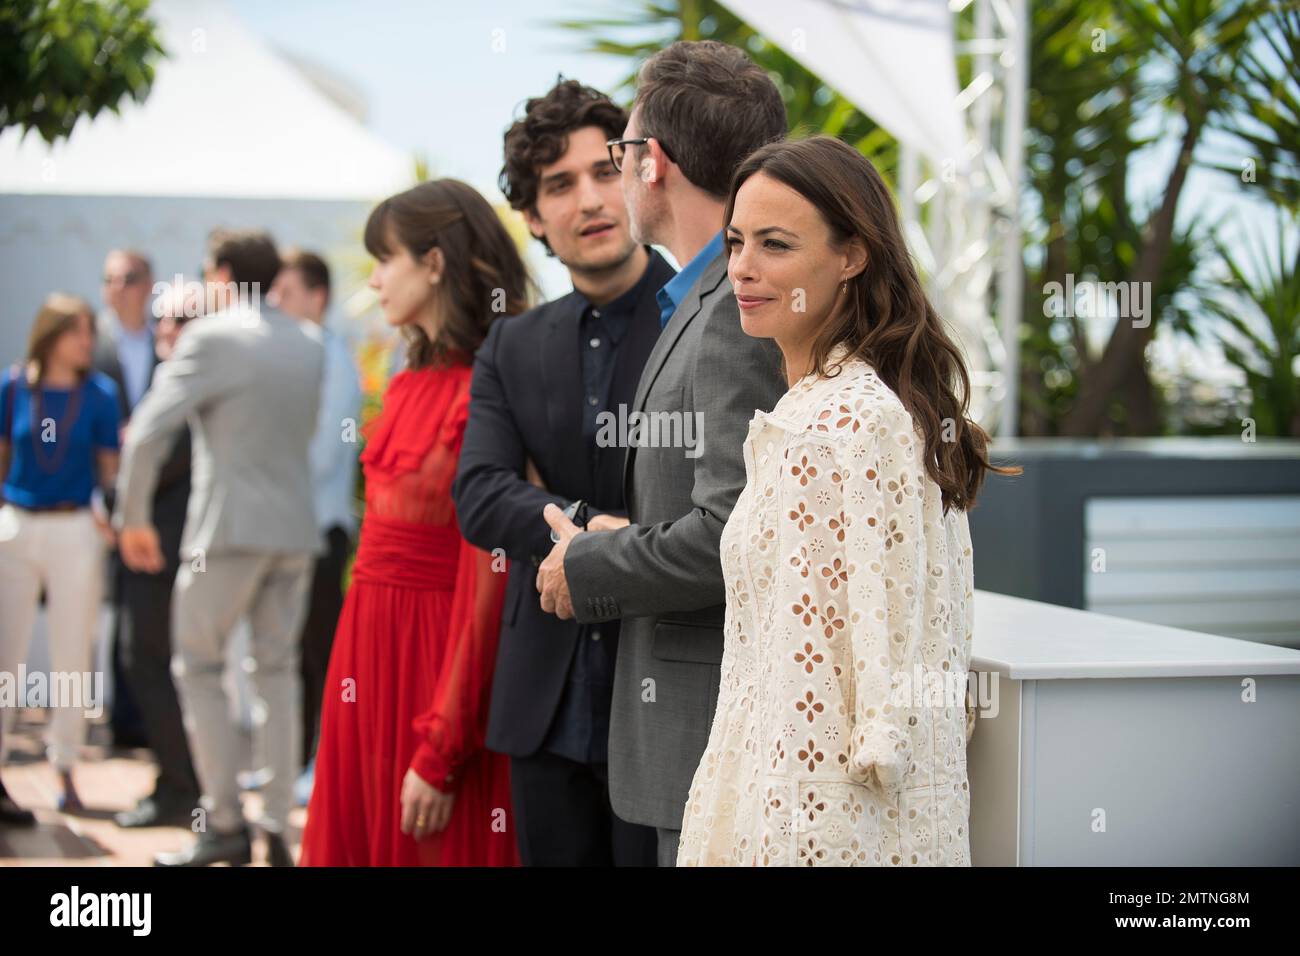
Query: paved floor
x,y
108,780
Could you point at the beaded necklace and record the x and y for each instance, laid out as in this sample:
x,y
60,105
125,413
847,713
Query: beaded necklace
x,y
51,464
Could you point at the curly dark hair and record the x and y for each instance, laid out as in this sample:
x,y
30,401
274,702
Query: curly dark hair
x,y
541,136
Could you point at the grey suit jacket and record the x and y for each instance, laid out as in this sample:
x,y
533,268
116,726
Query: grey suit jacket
x,y
250,385
663,574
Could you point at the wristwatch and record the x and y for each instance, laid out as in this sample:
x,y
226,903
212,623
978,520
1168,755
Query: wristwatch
x,y
579,513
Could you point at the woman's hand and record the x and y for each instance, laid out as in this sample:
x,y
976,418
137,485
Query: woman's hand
x,y
425,808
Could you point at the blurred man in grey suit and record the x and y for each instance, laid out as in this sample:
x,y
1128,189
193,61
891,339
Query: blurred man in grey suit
x,y
700,109
248,377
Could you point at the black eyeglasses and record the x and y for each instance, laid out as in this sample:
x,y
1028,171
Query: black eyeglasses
x,y
618,148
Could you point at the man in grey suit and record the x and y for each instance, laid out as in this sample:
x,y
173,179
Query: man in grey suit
x,y
248,377
700,109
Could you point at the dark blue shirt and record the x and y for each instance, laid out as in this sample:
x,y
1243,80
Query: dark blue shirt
x,y
52,457
580,730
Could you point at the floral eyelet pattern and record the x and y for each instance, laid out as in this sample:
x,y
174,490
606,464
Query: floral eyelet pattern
x,y
848,592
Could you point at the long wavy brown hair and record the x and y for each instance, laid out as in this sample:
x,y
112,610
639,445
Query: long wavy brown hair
x,y
484,277
885,318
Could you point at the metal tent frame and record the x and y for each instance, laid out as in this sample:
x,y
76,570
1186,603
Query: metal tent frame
x,y
963,219
961,214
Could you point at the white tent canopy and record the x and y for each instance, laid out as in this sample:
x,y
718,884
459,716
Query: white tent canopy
x,y
230,135
893,59
226,117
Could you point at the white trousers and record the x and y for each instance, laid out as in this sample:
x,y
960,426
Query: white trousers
x,y
62,552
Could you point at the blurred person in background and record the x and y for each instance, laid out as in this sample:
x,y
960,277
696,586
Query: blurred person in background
x,y
59,445
302,289
248,379
403,776
125,353
125,348
145,624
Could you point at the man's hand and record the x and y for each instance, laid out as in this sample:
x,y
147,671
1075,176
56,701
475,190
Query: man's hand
x,y
140,548
551,582
606,523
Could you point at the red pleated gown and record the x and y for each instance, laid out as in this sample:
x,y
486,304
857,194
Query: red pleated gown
x,y
411,667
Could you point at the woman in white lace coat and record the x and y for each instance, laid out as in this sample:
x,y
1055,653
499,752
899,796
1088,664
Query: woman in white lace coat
x,y
841,727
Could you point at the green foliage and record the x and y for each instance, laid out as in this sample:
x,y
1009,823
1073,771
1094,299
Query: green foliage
x,y
1266,114
1107,79
62,59
1260,305
1078,143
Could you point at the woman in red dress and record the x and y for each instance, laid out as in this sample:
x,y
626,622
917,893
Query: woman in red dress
x,y
402,776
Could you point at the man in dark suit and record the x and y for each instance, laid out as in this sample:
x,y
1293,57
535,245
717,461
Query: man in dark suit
x,y
144,626
545,386
124,351
701,108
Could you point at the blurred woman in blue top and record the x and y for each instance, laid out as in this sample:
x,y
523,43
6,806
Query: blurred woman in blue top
x,y
58,445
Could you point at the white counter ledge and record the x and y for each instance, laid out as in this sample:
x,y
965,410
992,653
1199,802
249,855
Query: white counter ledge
x,y
1102,741
1029,640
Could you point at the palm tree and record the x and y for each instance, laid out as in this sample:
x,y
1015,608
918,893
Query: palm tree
x,y
1267,113
1264,337
1190,71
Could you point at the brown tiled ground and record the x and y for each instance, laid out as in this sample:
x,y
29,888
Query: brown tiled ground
x,y
108,780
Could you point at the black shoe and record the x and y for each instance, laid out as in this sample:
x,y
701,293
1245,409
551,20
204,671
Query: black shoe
x,y
129,740
277,850
12,815
158,810
212,847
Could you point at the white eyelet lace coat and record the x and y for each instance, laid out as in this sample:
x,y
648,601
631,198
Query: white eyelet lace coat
x,y
841,726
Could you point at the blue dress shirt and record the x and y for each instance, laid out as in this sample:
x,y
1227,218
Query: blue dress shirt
x,y
671,295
